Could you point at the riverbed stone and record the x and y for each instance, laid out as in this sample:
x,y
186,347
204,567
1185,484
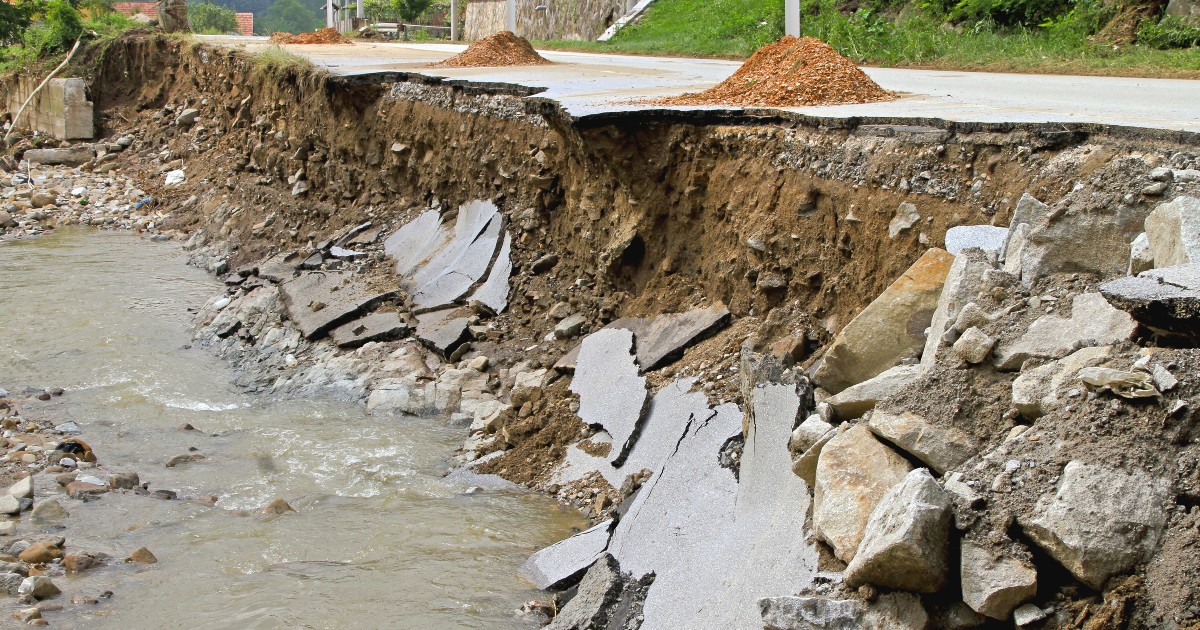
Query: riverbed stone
x,y
941,448
1173,232
1093,322
891,328
1100,521
10,583
277,506
319,301
993,582
662,339
48,511
41,552
378,326
566,559
10,505
853,474
38,587
907,538
611,393
1165,300
1047,388
142,555
124,481
80,562
852,402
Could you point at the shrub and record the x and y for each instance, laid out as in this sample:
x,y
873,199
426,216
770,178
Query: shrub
x,y
1169,32
212,19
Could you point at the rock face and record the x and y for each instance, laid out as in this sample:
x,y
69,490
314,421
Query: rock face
x,y
907,538
1093,322
662,339
611,393
941,448
853,402
1034,248
854,472
1046,388
1100,522
1173,232
319,301
1164,300
891,328
994,584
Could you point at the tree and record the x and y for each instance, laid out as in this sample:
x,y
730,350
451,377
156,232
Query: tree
x,y
410,10
14,19
212,19
289,16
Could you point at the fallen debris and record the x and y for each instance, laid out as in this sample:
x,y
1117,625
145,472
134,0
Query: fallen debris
x,y
502,49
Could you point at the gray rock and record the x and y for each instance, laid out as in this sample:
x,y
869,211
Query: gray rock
x,y
1046,388
973,346
9,504
805,466
1100,522
70,156
379,326
1173,232
808,433
941,448
855,401
38,587
907,538
1093,322
994,583
320,301
893,611
1027,614
989,238
567,559
611,393
1044,240
494,291
124,481
964,281
603,601
854,473
22,488
1140,257
10,583
187,117
662,340
444,331
1164,300
570,327
48,511
905,217
277,268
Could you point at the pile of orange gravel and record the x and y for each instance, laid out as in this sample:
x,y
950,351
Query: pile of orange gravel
x,y
321,36
790,73
502,49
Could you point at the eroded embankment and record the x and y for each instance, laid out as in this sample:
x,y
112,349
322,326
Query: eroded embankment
x,y
795,226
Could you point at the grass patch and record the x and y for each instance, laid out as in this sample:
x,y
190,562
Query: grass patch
x,y
275,59
899,36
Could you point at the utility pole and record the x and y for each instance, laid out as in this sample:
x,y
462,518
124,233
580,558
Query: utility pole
x,y
453,20
361,10
329,19
791,17
512,16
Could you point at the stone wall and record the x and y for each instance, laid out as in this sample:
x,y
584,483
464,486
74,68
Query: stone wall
x,y
556,19
61,109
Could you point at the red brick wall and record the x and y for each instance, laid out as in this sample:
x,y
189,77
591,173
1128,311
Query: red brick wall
x,y
149,9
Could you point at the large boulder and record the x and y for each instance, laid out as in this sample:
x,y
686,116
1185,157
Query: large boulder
x,y
854,472
1093,322
891,328
941,448
1173,232
1043,240
1100,522
907,539
993,582
1047,388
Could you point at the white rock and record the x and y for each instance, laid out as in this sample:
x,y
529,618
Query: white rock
x,y
175,177
994,584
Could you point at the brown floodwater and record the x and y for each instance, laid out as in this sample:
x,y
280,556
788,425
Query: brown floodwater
x,y
379,540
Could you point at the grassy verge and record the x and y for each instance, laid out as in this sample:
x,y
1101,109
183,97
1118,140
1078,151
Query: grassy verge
x,y
911,37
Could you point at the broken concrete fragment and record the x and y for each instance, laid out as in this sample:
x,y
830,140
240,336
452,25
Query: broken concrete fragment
x,y
854,472
1173,232
854,401
1093,322
907,538
443,331
941,448
893,611
494,291
566,559
319,301
605,599
964,281
891,328
416,241
1046,388
994,583
374,327
450,273
70,156
1038,233
611,393
662,339
1100,522
1166,300
277,268
989,238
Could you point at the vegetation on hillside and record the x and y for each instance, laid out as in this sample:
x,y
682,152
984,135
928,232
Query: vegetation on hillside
x,y
1070,36
212,19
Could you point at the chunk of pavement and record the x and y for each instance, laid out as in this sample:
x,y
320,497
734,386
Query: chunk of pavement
x,y
1046,388
964,281
611,393
416,241
443,331
893,611
1124,383
854,472
22,488
456,269
603,600
891,328
1038,238
989,238
494,291
1173,232
378,326
907,539
570,327
940,448
1093,322
1165,300
319,301
1100,522
48,511
564,560
69,156
994,582
662,340
973,346
279,267
853,402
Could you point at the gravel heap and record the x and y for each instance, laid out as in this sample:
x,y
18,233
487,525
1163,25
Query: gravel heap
x,y
502,49
789,73
320,36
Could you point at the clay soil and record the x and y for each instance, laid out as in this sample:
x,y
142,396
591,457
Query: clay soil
x,y
791,73
321,36
502,49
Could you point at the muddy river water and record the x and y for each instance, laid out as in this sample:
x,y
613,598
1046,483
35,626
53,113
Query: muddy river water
x,y
379,540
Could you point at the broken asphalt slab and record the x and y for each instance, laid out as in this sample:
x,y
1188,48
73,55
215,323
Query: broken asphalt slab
x,y
567,559
661,340
611,393
374,327
319,301
1164,300
443,331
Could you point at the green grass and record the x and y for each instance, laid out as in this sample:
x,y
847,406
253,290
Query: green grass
x,y
275,59
733,29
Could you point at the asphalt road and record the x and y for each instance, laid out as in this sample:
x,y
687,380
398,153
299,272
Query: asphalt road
x,y
588,83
